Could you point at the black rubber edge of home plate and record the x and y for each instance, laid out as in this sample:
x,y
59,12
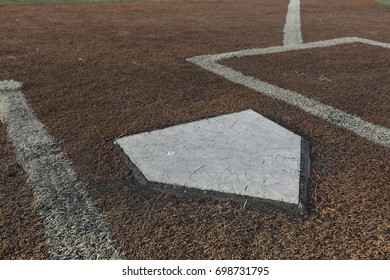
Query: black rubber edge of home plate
x,y
304,185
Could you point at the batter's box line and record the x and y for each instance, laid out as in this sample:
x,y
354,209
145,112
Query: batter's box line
x,y
372,132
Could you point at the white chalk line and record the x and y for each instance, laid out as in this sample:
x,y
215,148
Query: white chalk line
x,y
292,28
372,132
75,227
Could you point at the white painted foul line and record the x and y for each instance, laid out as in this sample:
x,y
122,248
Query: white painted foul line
x,y
372,132
292,28
75,227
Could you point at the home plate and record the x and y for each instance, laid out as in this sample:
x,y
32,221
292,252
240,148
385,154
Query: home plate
x,y
241,155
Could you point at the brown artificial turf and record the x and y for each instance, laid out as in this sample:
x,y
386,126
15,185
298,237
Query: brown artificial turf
x,y
95,72
328,19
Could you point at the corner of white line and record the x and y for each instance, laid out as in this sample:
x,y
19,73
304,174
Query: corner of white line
x,y
9,85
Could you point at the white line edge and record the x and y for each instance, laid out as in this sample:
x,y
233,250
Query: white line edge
x,y
292,29
367,130
75,228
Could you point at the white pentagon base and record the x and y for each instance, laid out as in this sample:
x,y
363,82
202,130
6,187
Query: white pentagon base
x,y
241,153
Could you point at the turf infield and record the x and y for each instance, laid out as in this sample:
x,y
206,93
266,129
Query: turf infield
x,y
333,81
93,73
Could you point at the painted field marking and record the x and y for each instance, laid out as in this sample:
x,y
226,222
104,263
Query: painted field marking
x,y
292,28
75,227
372,132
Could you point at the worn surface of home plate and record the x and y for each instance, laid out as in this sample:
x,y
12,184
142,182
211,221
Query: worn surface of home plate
x,y
241,154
